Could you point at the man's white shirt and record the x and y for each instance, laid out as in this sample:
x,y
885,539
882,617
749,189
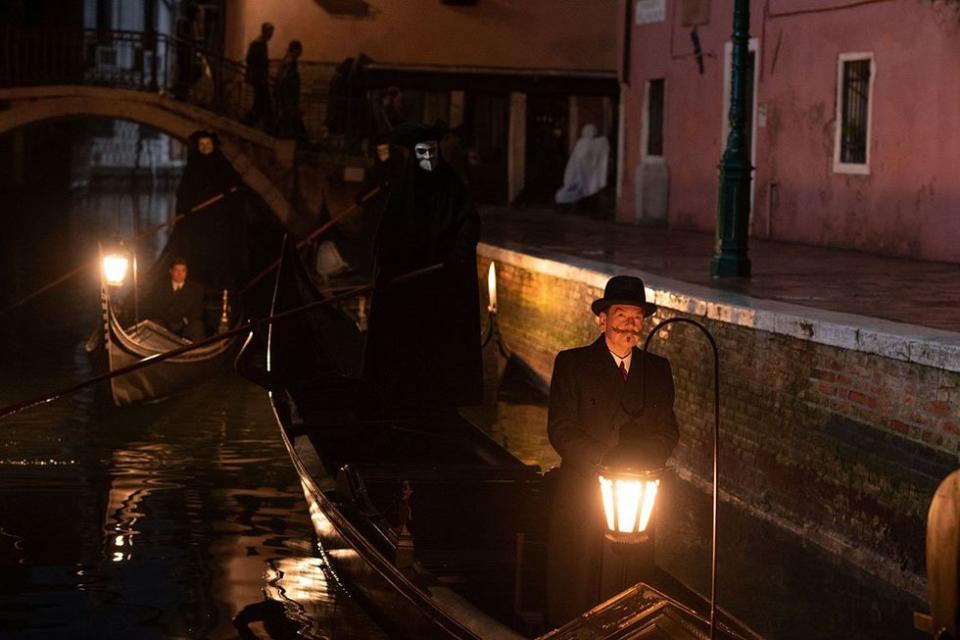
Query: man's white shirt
x,y
626,361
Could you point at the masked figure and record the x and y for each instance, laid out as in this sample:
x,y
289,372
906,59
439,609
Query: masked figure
x,y
423,346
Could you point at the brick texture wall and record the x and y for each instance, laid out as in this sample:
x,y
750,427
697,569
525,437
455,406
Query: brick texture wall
x,y
841,447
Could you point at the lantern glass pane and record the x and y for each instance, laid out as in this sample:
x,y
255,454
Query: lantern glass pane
x,y
115,269
606,491
629,494
649,498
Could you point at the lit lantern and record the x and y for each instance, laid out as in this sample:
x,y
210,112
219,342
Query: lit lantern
x,y
492,288
628,500
115,266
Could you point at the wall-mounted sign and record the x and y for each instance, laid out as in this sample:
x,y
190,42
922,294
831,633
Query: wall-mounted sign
x,y
648,11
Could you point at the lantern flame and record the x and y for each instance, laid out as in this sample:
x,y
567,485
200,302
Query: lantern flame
x,y
628,503
115,269
492,287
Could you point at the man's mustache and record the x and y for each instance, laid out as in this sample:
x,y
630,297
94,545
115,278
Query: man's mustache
x,y
633,332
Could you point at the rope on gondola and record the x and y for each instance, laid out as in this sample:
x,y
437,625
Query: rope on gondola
x,y
310,238
160,357
143,234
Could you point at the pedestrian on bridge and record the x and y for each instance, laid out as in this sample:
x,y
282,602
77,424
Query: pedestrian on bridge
x,y
258,76
289,114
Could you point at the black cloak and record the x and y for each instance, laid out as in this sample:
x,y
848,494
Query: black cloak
x,y
227,242
423,344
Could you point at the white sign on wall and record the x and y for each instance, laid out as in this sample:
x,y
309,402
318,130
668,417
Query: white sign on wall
x,y
648,11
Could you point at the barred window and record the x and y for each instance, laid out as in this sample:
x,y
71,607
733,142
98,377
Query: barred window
x,y
853,103
655,91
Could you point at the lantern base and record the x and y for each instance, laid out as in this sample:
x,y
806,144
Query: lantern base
x,y
626,539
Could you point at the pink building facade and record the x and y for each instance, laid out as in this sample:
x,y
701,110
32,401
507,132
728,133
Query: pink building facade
x,y
854,121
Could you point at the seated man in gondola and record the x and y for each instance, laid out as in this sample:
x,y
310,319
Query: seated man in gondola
x,y
178,304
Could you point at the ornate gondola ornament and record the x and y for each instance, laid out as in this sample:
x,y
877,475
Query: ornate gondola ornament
x,y
224,324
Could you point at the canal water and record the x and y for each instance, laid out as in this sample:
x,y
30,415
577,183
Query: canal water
x,y
185,519
179,519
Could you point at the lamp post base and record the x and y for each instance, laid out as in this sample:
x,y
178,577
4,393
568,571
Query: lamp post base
x,y
730,267
625,564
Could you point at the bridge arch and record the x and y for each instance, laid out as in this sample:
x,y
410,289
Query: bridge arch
x,y
262,161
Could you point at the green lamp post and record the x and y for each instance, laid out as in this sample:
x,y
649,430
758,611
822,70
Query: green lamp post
x,y
733,207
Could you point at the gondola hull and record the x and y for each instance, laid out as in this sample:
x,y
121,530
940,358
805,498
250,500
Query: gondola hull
x,y
121,347
361,568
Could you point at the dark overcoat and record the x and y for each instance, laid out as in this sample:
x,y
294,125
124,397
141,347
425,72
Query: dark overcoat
x,y
592,410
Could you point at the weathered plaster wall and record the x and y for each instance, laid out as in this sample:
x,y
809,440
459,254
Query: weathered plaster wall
x,y
523,34
842,446
907,204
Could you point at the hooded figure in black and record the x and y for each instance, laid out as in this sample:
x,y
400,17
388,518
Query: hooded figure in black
x,y
423,344
227,234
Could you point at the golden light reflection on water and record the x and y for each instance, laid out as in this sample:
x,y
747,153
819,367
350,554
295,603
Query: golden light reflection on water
x,y
303,580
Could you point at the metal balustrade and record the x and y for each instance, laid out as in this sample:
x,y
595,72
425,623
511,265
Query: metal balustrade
x,y
158,63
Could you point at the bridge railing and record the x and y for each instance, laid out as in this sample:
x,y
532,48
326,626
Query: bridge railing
x,y
149,61
138,60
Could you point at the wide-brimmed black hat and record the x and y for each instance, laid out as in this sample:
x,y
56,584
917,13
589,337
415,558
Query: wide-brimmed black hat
x,y
408,134
623,290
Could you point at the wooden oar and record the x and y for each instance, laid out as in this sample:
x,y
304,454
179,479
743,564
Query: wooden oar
x,y
143,234
160,357
310,238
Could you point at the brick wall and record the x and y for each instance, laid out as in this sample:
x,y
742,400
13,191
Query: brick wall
x,y
842,447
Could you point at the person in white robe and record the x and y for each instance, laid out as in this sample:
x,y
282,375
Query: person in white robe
x,y
586,172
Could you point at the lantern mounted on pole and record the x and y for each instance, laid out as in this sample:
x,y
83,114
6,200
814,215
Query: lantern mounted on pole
x,y
629,494
115,264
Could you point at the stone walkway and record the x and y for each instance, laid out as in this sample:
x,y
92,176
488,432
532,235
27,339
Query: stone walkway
x,y
926,294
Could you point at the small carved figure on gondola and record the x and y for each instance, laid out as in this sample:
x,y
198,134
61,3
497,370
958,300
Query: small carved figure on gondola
x,y
423,345
178,303
599,411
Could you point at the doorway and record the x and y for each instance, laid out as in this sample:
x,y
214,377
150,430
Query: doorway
x,y
486,124
546,149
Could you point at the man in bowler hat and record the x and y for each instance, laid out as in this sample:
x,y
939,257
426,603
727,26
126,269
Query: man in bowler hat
x,y
597,412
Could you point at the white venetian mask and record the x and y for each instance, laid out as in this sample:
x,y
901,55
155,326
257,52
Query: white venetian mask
x,y
427,155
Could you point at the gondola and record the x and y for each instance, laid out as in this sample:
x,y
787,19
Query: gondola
x,y
430,523
113,347
226,236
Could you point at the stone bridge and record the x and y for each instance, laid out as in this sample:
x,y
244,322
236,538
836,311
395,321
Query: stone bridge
x,y
265,163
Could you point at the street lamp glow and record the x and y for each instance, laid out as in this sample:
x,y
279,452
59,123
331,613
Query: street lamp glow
x,y
115,269
628,501
492,287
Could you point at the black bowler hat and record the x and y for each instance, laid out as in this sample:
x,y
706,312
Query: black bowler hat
x,y
624,290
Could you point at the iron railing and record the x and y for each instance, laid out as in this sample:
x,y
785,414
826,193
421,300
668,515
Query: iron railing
x,y
136,60
158,63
